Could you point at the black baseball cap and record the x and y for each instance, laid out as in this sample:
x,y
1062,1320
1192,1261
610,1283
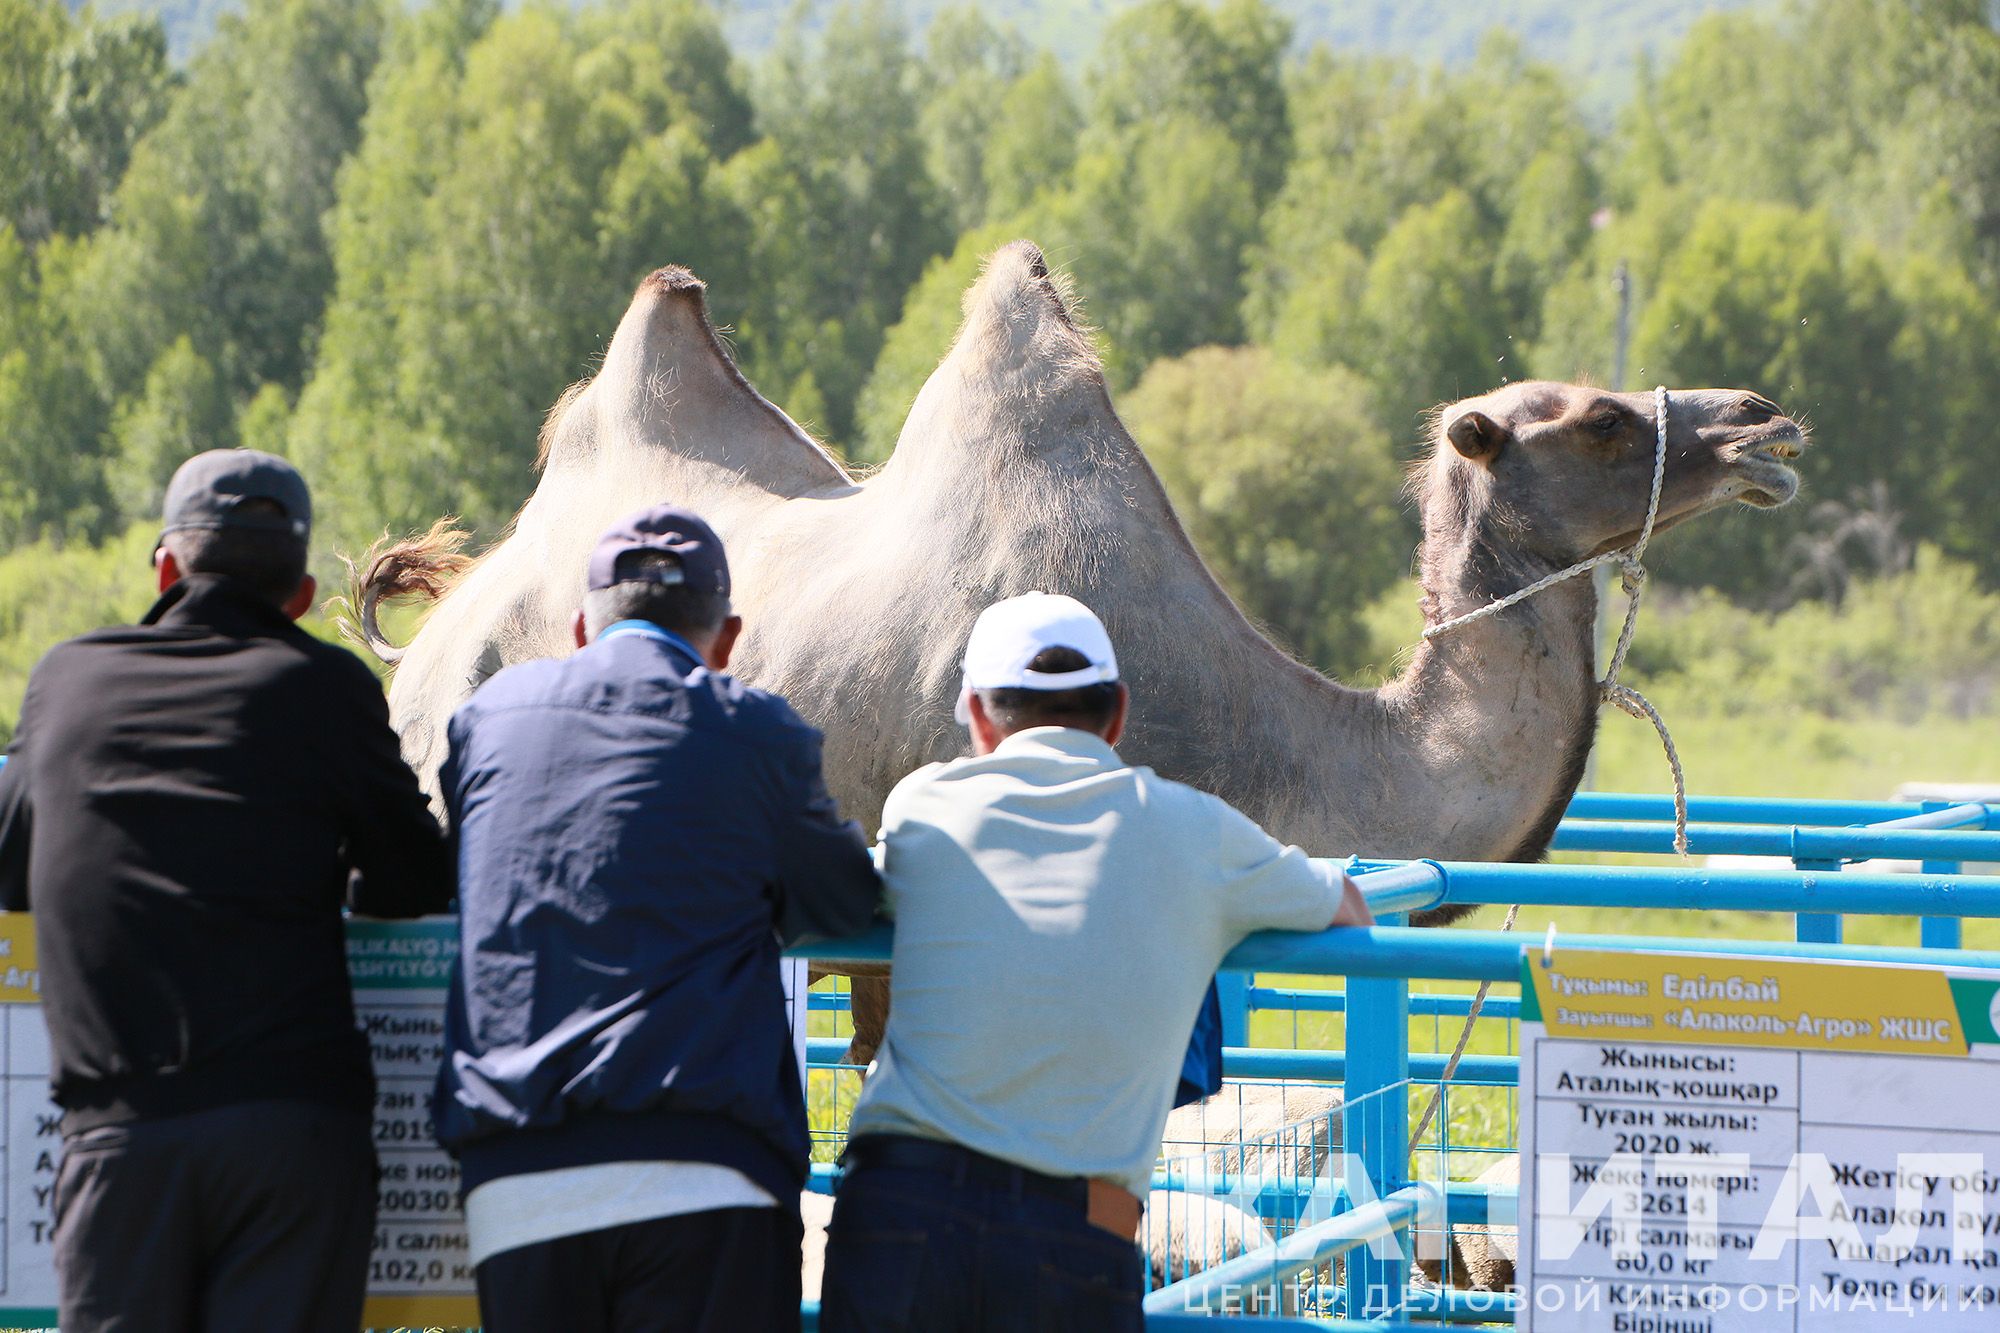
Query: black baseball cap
x,y
211,490
697,551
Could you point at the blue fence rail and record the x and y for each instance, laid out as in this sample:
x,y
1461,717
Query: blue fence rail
x,y
1815,835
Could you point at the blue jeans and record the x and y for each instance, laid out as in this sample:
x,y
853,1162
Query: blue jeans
x,y
944,1252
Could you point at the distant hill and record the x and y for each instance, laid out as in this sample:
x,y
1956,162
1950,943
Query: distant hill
x,y
1597,38
188,22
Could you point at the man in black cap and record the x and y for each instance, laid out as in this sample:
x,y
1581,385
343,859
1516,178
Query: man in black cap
x,y
188,803
638,835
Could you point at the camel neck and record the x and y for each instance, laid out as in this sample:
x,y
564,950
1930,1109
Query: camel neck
x,y
1499,714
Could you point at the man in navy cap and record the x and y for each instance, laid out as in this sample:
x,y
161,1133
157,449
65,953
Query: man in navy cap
x,y
638,836
187,805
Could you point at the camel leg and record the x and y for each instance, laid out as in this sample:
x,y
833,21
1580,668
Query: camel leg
x,y
868,1005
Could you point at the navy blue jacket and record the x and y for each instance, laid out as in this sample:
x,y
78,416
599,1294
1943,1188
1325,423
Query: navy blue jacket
x,y
635,836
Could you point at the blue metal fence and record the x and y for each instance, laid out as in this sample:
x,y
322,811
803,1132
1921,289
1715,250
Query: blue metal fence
x,y
1377,1067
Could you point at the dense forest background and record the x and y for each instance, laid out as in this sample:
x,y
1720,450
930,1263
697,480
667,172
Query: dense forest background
x,y
381,240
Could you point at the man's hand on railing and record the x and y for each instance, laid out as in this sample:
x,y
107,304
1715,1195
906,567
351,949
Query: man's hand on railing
x,y
1353,910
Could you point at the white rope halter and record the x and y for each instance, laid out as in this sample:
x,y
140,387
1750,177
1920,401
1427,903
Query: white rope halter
x,y
1633,580
1609,690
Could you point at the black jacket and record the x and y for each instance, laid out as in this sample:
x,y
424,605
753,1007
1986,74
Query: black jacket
x,y
636,834
183,804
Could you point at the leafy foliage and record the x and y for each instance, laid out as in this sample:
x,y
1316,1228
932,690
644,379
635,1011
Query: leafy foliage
x,y
50,593
1287,485
383,239
1919,645
75,94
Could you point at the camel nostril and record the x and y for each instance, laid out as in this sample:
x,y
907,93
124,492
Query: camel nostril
x,y
1758,409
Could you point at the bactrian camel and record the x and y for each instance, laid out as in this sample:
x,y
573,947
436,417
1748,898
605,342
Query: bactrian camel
x,y
1013,472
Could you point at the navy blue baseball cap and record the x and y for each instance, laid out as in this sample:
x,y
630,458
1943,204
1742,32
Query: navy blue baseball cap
x,y
697,551
215,490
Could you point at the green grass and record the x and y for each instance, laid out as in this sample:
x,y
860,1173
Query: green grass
x,y
1799,754
830,1093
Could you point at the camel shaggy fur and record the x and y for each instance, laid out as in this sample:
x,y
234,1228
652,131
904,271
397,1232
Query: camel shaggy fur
x,y
1184,1234
1286,1129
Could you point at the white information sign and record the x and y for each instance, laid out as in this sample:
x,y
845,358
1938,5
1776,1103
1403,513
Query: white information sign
x,y
1726,1143
418,1270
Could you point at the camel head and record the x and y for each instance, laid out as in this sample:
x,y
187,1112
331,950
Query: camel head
x,y
1565,471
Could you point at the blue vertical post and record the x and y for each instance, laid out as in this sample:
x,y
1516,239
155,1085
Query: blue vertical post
x,y
1943,932
1817,927
1233,989
1375,1125
1940,932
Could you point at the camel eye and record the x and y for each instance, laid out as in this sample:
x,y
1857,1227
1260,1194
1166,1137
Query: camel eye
x,y
1604,423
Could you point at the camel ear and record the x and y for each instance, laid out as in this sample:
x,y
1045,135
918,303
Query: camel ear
x,y
1477,436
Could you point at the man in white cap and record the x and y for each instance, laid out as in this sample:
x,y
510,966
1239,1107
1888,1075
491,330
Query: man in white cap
x,y
1058,917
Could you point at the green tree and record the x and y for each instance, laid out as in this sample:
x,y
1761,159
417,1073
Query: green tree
x,y
916,343
843,118
1318,318
217,227
184,410
1381,148
1434,328
264,420
1176,61
1901,153
1158,224
1288,485
49,593
1768,298
30,33
1031,144
53,418
111,84
517,177
75,93
1187,136
1942,365
969,68
1578,327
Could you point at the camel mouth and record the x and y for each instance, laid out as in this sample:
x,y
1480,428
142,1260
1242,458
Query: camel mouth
x,y
1766,483
1761,474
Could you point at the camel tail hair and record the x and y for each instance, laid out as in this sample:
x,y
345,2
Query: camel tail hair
x,y
419,566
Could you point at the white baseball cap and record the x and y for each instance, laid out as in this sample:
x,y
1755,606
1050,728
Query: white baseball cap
x,y
1008,635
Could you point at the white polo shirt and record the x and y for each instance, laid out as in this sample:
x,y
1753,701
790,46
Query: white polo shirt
x,y
1058,918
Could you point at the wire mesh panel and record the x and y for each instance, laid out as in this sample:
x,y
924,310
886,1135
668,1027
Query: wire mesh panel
x,y
1467,1138
832,1085
1258,1218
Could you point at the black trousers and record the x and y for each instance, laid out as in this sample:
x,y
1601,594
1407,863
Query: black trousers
x,y
939,1239
251,1216
727,1270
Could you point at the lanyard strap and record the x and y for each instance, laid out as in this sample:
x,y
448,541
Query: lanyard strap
x,y
646,629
